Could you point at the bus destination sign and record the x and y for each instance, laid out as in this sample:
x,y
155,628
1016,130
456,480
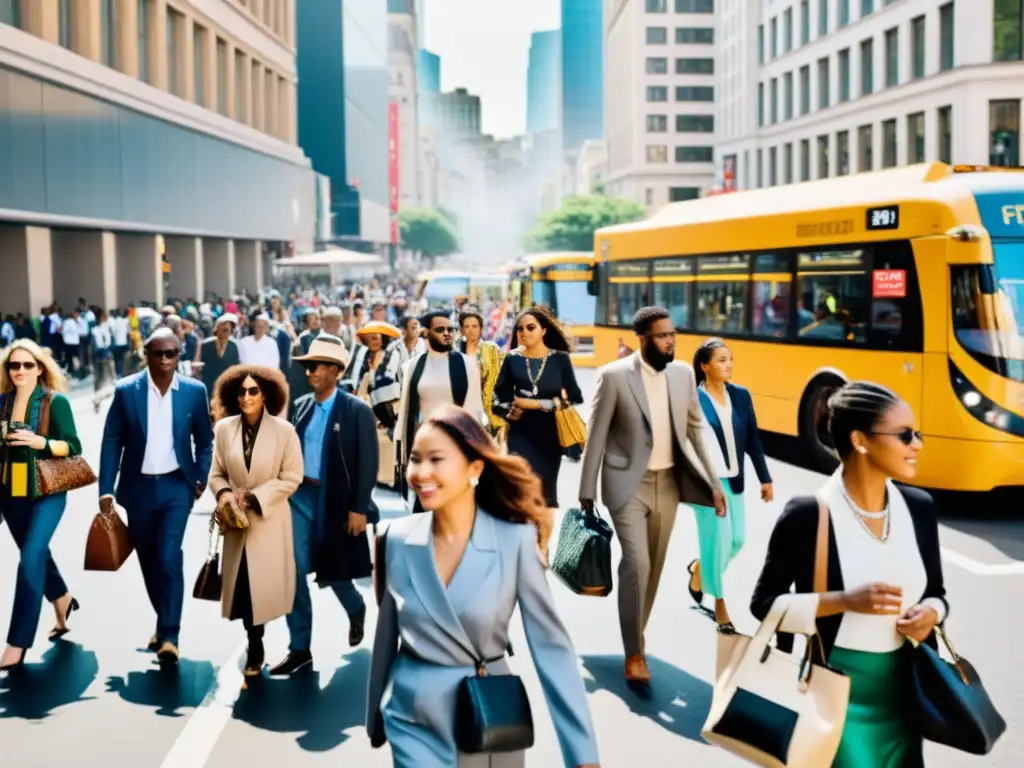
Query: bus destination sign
x,y
886,217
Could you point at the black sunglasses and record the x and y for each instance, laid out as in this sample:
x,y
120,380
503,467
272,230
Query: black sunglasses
x,y
169,354
905,436
16,366
442,331
250,391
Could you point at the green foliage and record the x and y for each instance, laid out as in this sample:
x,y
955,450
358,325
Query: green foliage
x,y
572,227
427,232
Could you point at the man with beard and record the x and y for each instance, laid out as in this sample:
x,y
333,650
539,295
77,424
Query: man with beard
x,y
645,438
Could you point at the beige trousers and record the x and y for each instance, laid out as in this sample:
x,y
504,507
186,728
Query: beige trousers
x,y
643,527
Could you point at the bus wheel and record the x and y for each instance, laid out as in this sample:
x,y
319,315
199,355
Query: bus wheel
x,y
814,436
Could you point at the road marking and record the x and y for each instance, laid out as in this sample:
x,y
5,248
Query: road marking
x,y
1015,568
199,737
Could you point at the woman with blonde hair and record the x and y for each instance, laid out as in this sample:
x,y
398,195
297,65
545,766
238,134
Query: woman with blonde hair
x,y
31,393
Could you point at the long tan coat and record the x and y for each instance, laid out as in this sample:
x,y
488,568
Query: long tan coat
x,y
275,474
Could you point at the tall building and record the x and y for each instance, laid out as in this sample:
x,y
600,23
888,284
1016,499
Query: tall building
x,y
343,110
582,72
660,95
458,113
403,58
428,68
858,86
544,82
152,150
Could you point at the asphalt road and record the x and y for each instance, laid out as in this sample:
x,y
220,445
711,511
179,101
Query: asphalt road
x,y
96,700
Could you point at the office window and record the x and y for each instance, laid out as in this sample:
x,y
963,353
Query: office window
x,y
699,35
892,57
805,89
657,65
10,13
695,93
760,43
173,83
805,159
269,116
805,22
239,86
773,42
775,101
199,64
682,194
946,135
865,153
915,138
946,37
695,123
760,105
844,12
1004,129
867,68
823,157
657,153
844,75
108,40
657,35
695,6
657,93
656,6
888,143
722,293
823,17
867,7
657,123
787,163
695,66
760,168
64,23
222,77
694,154
1008,24
787,30
842,153
787,96
773,167
143,37
823,84
917,43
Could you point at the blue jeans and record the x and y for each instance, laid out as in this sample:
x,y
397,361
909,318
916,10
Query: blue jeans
x,y
300,620
33,523
156,521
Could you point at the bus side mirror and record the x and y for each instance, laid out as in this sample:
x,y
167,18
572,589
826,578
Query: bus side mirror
x,y
593,285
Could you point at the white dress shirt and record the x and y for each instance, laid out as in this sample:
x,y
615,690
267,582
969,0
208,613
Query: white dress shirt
x,y
259,352
656,389
69,331
119,330
160,458
722,468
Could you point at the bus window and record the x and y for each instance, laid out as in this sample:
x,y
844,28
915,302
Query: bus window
x,y
543,295
722,302
773,281
601,280
628,291
674,296
896,321
832,296
574,301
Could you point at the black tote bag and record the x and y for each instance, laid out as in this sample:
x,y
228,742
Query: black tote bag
x,y
583,557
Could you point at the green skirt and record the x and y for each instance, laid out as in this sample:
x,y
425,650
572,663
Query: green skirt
x,y
877,732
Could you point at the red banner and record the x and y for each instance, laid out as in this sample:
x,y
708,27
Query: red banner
x,y
889,284
393,155
394,230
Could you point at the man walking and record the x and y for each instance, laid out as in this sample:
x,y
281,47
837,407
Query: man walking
x,y
159,438
645,438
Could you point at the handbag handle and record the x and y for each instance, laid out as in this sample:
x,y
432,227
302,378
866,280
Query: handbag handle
x,y
214,543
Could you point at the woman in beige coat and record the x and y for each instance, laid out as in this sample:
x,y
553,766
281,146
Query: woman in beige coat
x,y
257,466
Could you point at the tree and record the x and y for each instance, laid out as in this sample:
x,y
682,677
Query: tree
x,y
572,227
427,233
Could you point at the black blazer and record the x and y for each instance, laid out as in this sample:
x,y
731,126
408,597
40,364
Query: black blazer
x,y
790,561
744,431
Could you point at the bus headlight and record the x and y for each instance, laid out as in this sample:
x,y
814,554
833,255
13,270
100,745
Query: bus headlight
x,y
971,399
980,407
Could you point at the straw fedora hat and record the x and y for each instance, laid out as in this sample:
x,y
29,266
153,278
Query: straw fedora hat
x,y
326,349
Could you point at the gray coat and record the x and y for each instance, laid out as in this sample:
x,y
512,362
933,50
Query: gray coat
x,y
446,629
619,437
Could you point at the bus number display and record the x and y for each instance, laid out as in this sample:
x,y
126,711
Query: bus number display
x,y
887,217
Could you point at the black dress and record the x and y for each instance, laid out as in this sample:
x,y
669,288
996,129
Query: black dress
x,y
241,602
535,435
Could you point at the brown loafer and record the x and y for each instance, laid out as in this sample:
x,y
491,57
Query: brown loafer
x,y
168,653
636,670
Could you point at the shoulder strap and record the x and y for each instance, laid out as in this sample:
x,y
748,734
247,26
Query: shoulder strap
x,y
380,564
44,414
821,548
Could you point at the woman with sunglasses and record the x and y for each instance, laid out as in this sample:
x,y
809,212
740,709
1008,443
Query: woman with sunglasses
x,y
885,582
27,375
257,466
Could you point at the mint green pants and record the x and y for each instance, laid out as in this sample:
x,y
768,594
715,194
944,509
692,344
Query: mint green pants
x,y
720,539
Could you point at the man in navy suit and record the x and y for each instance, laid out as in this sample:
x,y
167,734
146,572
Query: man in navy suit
x,y
158,444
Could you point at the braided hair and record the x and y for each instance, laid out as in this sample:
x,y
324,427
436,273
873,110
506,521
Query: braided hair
x,y
703,356
856,407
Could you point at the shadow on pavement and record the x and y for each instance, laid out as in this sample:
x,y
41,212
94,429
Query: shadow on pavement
x,y
168,690
297,705
62,677
1005,535
676,700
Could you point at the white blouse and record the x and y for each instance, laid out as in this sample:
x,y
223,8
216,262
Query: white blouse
x,y
711,444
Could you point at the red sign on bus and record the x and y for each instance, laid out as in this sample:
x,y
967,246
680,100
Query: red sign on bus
x,y
889,284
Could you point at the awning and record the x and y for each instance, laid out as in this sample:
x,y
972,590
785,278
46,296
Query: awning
x,y
333,257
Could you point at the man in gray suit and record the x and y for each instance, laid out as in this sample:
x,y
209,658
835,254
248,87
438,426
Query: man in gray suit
x,y
645,438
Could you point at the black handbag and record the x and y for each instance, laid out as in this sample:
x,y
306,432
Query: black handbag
x,y
583,557
492,714
953,707
208,583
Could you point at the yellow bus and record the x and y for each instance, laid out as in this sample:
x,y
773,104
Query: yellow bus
x,y
911,277
562,282
442,287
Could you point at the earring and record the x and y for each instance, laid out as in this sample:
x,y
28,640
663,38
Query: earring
x,y
861,449
474,482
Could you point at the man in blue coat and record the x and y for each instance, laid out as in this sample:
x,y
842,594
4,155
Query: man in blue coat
x,y
158,445
334,504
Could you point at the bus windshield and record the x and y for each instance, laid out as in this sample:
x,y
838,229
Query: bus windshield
x,y
569,300
444,289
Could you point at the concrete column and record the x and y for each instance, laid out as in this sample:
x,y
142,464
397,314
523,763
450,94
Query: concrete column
x,y
218,266
139,270
27,267
80,258
156,49
248,265
108,248
185,255
127,36
85,28
229,81
41,18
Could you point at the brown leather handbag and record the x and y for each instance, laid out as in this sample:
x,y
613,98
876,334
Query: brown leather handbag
x,y
109,544
59,474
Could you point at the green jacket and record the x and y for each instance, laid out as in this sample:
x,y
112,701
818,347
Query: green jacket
x,y
19,464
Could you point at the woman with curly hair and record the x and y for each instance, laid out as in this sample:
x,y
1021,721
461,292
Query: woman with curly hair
x,y
257,466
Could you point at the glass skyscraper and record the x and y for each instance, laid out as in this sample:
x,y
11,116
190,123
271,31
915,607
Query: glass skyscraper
x,y
544,82
428,71
582,73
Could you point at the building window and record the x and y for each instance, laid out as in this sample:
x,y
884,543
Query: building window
x,y
865,153
775,100
695,66
888,143
657,153
269,116
695,6
173,84
823,17
946,135
222,77
892,57
108,39
694,154
657,123
698,35
681,194
805,159
915,138
656,6
656,65
760,168
842,153
657,35
867,70
773,42
844,75
844,12
760,105
787,30
199,64
867,7
1004,128
787,163
143,38
946,37
917,43
239,86
823,157
823,84
695,123
773,167
787,96
10,13
805,89
1006,32
695,93
760,43
64,23
649,196
805,22
657,93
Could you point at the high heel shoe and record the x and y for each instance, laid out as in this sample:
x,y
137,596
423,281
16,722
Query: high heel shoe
x,y
254,659
696,594
16,665
58,632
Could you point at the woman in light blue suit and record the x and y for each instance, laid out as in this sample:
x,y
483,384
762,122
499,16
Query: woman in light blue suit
x,y
454,576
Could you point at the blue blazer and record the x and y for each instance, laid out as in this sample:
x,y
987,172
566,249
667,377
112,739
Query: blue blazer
x,y
124,435
744,431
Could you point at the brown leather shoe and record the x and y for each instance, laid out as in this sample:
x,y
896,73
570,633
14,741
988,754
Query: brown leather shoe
x,y
636,670
168,653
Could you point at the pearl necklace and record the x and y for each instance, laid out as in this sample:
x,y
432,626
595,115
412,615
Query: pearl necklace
x,y
862,516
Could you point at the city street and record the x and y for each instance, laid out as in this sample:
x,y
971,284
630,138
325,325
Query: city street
x,y
96,699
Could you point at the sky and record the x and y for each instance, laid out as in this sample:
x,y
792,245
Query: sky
x,y
484,47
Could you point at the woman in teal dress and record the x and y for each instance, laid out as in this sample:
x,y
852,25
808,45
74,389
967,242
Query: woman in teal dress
x,y
27,377
885,584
